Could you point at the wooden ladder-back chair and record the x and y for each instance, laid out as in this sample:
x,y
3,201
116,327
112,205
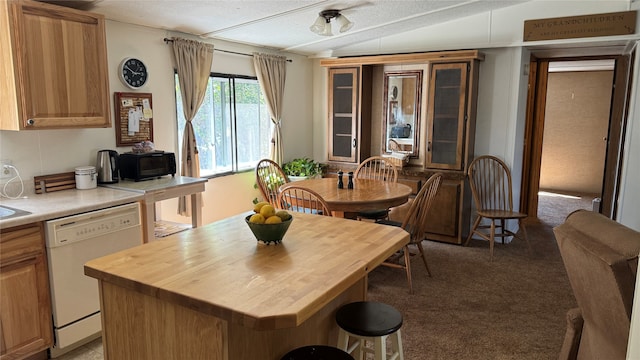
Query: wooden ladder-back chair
x,y
415,223
490,181
298,199
376,168
269,177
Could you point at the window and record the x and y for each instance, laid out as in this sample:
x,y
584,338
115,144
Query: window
x,y
232,127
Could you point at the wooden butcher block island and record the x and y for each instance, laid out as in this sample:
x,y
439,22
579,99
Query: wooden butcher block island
x,y
214,292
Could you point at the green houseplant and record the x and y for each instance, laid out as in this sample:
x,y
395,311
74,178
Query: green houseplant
x,y
302,167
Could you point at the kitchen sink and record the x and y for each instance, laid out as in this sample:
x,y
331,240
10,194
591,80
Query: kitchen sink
x,y
9,212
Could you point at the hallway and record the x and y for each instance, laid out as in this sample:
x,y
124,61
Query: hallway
x,y
553,208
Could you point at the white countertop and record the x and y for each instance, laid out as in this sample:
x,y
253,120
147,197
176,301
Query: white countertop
x,y
64,203
163,183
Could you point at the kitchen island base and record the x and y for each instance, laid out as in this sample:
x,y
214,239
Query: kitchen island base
x,y
216,293
138,326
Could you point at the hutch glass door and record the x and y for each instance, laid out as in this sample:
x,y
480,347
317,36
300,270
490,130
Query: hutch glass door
x,y
343,102
447,116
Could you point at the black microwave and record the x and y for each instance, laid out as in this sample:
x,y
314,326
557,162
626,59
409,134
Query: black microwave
x,y
142,166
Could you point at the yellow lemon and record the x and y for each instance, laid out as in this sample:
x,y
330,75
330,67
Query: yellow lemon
x,y
267,211
273,220
256,219
258,206
283,215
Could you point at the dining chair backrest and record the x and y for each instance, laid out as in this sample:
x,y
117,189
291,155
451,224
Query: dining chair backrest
x,y
415,222
490,182
377,168
298,199
269,178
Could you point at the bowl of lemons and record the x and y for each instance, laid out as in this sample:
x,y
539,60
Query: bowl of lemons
x,y
268,224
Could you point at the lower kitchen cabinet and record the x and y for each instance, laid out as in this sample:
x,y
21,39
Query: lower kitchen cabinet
x,y
25,305
449,215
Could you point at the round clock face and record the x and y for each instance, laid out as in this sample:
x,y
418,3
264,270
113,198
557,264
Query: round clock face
x,y
133,73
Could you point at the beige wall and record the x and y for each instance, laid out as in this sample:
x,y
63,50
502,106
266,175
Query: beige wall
x,y
576,124
42,152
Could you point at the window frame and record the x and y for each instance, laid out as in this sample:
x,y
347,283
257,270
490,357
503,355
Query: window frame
x,y
233,126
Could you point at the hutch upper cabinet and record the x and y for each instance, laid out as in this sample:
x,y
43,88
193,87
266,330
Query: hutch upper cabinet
x,y
451,121
54,67
349,114
447,116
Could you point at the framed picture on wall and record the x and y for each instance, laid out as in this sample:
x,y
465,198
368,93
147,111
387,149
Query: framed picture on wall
x,y
393,110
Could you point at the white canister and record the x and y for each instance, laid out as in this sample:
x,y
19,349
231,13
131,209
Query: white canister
x,y
86,177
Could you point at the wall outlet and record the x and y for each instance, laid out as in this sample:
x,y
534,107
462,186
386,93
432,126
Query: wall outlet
x,y
6,172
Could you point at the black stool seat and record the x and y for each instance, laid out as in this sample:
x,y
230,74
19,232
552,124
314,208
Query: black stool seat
x,y
368,318
317,352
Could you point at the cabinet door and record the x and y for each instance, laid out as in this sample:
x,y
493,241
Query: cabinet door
x,y
343,112
444,214
62,68
25,308
447,116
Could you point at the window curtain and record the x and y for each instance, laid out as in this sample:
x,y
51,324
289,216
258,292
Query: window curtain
x,y
193,61
271,73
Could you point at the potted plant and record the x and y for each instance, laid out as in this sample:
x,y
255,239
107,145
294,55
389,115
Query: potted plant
x,y
302,168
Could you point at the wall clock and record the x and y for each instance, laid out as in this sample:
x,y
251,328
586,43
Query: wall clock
x,y
133,73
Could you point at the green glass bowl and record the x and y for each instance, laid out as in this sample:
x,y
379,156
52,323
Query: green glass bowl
x,y
269,233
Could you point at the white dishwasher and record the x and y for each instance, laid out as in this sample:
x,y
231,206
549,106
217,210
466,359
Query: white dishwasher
x,y
71,242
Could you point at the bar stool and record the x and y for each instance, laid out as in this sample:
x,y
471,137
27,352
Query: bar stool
x,y
370,321
317,352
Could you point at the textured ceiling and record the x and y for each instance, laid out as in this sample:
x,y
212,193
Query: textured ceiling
x,y
284,25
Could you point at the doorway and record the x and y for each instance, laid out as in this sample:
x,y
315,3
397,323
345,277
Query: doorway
x,y
552,83
574,143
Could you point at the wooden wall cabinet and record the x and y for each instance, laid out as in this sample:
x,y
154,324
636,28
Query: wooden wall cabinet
x,y
25,305
54,71
349,114
451,138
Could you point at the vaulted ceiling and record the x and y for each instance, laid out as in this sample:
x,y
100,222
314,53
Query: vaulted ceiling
x,y
284,25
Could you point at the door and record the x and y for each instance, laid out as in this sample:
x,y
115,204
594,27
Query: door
x,y
534,132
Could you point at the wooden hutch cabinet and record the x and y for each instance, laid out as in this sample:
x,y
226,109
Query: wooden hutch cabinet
x,y
349,114
451,121
25,305
54,67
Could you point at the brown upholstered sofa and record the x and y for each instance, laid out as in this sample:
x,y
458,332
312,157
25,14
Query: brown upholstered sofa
x,y
601,259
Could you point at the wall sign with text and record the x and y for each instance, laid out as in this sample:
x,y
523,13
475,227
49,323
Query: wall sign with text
x,y
607,24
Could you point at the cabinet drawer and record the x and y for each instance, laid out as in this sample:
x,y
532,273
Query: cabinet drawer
x,y
20,242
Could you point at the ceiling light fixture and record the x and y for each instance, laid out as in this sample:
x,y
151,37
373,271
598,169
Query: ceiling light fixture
x,y
322,25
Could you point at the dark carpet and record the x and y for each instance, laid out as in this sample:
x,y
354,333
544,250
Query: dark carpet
x,y
471,308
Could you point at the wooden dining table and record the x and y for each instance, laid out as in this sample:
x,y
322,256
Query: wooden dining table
x,y
367,194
